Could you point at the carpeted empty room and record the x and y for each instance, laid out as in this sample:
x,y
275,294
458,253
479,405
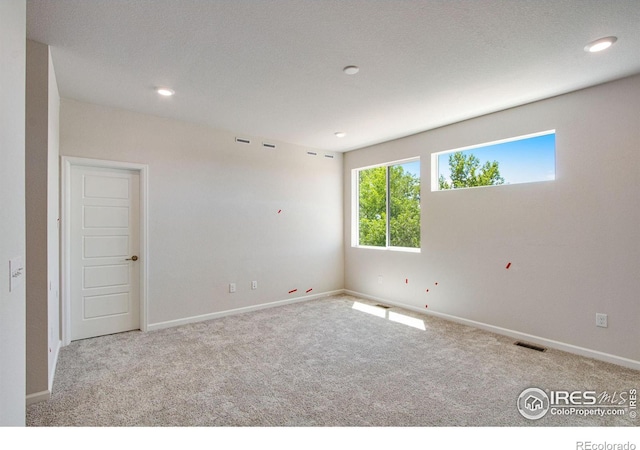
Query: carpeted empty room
x,y
415,221
334,361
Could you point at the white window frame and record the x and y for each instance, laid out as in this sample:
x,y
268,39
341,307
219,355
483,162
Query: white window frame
x,y
355,207
435,169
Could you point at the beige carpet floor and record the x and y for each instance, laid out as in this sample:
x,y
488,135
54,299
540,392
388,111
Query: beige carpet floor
x,y
319,363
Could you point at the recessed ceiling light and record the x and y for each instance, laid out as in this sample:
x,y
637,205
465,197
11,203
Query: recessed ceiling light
x,y
351,70
600,44
340,134
165,92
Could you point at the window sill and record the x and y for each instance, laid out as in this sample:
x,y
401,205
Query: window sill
x,y
390,249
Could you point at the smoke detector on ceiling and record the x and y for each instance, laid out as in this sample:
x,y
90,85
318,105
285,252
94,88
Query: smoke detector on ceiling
x,y
351,70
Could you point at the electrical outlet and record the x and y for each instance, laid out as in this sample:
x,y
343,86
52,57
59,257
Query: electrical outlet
x,y
254,285
232,288
601,320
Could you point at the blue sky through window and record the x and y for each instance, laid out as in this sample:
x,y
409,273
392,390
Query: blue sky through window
x,y
520,161
413,167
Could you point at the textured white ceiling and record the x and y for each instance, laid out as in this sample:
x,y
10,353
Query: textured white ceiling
x,y
273,68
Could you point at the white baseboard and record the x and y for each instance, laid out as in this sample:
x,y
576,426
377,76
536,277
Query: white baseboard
x,y
569,348
216,315
38,397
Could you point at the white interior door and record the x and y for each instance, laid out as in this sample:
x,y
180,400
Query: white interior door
x,y
104,251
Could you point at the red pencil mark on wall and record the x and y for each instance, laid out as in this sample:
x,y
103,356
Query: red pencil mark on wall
x,y
406,281
427,290
279,211
292,291
309,290
426,306
436,283
508,265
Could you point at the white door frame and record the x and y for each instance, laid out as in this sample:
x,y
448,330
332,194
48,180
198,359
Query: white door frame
x,y
65,238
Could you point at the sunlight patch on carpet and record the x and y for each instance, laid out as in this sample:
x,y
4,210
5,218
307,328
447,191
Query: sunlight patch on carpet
x,y
379,311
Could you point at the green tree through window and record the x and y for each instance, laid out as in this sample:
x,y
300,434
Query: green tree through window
x,y
521,159
389,206
373,206
467,172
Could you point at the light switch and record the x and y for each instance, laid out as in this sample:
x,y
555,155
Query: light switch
x,y
16,273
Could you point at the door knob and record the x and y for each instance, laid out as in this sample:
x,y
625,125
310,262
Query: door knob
x,y
133,258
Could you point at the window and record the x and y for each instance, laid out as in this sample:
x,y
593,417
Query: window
x,y
523,159
387,212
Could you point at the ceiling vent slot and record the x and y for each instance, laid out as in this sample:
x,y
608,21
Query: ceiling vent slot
x,y
267,145
328,156
312,153
382,306
243,141
531,346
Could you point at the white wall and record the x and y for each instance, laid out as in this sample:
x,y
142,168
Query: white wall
x,y
213,211
574,243
53,214
12,199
